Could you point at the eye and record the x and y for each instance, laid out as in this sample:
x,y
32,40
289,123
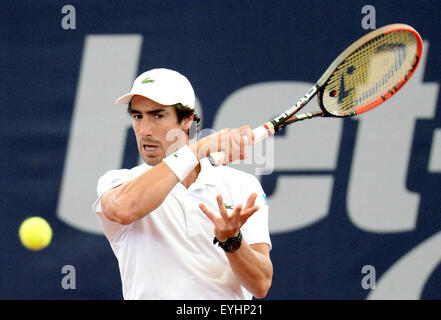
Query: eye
x,y
159,116
136,116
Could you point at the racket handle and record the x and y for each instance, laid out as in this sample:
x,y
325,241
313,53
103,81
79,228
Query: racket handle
x,y
259,134
216,158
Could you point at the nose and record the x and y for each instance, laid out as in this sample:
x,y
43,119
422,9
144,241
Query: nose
x,y
146,127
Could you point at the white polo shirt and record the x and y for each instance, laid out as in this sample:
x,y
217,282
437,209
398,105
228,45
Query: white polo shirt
x,y
169,254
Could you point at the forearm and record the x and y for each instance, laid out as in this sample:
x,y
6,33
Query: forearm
x,y
135,199
253,268
251,264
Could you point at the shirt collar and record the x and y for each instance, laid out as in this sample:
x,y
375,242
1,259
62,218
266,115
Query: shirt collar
x,y
207,175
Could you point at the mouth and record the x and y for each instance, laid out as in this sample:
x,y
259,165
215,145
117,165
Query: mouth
x,y
149,148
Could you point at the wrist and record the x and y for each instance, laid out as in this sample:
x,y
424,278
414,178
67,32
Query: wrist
x,y
231,244
181,162
225,237
199,149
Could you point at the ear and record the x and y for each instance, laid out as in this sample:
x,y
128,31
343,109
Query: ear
x,y
186,123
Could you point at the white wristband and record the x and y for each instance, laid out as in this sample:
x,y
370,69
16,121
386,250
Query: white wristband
x,y
181,162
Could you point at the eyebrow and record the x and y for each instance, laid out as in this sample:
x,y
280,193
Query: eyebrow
x,y
155,111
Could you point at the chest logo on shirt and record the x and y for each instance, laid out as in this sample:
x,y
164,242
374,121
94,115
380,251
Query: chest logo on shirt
x,y
228,206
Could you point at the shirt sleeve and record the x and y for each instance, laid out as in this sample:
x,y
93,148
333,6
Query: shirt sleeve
x,y
111,179
256,229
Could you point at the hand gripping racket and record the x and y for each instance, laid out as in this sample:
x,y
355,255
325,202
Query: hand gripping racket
x,y
365,75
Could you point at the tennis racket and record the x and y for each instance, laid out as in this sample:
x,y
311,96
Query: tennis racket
x,y
366,74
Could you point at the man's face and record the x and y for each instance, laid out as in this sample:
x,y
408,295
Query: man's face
x,y
157,131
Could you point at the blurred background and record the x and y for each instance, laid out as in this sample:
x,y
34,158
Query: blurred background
x,y
355,204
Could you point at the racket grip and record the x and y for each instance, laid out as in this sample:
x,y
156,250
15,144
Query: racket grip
x,y
259,134
216,158
263,132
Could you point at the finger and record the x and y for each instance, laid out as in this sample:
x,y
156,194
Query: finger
x,y
235,145
221,205
248,213
251,200
210,215
236,213
231,148
246,139
219,142
225,146
223,139
243,144
246,131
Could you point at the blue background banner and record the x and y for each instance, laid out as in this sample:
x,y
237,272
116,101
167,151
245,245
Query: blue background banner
x,y
355,206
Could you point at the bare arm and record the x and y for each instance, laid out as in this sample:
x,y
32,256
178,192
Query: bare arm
x,y
135,199
253,266
251,263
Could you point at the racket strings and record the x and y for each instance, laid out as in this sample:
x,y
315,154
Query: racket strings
x,y
369,72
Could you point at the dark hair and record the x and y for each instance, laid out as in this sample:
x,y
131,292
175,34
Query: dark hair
x,y
182,112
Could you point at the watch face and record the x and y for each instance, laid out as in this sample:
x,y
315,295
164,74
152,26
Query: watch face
x,y
234,246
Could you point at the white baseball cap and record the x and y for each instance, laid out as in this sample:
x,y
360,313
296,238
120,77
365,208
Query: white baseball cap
x,y
162,85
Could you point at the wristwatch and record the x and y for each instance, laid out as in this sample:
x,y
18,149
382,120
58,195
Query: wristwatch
x,y
232,244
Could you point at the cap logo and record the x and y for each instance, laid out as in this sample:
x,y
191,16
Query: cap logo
x,y
147,80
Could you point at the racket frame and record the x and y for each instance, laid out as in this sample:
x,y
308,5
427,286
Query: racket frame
x,y
355,46
289,117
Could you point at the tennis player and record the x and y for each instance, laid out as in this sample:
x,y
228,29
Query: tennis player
x,y
179,227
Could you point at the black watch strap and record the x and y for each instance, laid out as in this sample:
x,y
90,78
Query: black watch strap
x,y
232,244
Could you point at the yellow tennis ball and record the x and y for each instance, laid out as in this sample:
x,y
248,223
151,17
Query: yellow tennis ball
x,y
35,233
